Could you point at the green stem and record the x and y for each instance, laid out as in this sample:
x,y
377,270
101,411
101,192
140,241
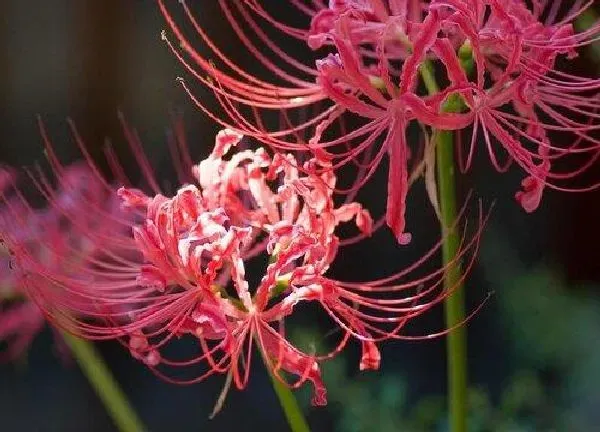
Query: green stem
x,y
290,406
104,384
287,400
454,305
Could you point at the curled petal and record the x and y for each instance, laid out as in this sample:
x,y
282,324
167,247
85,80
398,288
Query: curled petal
x,y
371,357
531,195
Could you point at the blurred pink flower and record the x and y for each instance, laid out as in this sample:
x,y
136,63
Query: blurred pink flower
x,y
65,226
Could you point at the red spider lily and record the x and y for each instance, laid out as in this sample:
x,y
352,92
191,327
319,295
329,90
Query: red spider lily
x,y
516,97
63,225
20,321
188,249
179,270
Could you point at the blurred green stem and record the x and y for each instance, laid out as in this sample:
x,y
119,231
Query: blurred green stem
x,y
104,384
290,406
584,22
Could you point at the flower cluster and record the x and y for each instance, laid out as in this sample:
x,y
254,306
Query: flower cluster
x,y
497,63
151,270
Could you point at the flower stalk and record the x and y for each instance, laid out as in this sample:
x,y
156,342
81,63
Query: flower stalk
x,y
287,400
106,387
454,305
290,406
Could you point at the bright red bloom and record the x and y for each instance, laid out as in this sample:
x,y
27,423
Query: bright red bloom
x,y
171,273
179,271
515,98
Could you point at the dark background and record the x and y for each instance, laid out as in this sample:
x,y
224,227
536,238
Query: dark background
x,y
86,59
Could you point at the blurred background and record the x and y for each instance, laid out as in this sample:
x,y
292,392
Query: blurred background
x,y
534,348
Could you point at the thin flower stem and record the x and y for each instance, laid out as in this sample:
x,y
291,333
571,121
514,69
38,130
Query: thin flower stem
x,y
456,346
104,384
287,400
290,406
454,305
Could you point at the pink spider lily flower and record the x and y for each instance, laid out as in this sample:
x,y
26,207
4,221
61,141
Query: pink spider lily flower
x,y
81,232
247,101
512,48
188,250
20,321
179,272
236,88
62,225
516,98
537,112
